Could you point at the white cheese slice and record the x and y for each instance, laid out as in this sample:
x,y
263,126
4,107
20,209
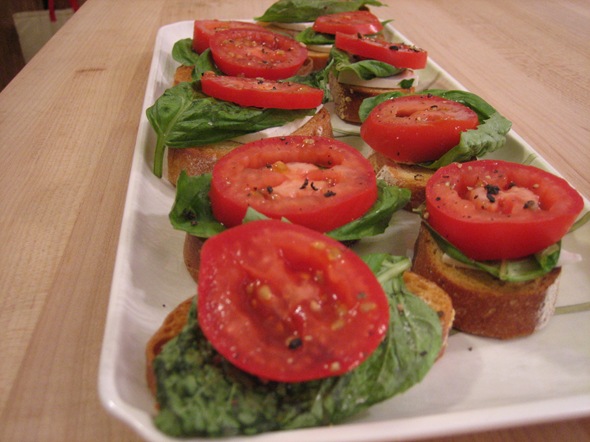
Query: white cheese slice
x,y
320,48
279,131
300,26
391,82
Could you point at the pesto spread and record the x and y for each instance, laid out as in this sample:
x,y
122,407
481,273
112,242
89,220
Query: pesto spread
x,y
201,394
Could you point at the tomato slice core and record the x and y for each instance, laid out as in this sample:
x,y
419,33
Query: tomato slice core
x,y
204,29
288,304
260,92
417,128
352,22
257,53
399,55
491,209
317,182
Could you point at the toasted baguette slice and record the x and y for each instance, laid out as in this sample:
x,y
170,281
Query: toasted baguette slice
x,y
484,305
183,74
407,176
318,59
171,327
191,253
348,98
200,160
436,298
173,324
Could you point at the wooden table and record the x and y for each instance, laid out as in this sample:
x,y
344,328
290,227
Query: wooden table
x,y
68,124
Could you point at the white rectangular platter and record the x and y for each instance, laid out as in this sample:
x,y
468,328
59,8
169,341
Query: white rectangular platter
x,y
479,384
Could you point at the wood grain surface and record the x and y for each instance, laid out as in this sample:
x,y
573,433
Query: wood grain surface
x,y
68,124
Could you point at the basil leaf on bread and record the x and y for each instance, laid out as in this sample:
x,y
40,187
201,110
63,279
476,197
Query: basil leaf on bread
x,y
191,211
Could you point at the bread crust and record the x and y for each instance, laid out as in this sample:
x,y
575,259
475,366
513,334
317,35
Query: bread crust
x,y
191,253
171,327
484,305
348,98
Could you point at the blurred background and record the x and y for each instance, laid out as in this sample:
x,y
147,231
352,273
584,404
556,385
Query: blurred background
x,y
33,19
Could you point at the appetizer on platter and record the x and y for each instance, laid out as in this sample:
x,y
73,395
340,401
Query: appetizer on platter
x,y
491,239
320,37
290,329
367,66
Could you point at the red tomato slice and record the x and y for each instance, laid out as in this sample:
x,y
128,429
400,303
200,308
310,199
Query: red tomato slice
x,y
353,22
492,209
261,93
417,128
399,55
288,304
204,29
253,53
317,182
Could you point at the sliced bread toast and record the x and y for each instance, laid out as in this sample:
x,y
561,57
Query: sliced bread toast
x,y
484,305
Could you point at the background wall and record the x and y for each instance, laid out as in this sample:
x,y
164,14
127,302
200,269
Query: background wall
x,y
11,59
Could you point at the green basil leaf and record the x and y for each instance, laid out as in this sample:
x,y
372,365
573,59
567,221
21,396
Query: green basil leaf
x,y
201,394
192,213
364,69
486,138
390,199
184,117
310,37
298,11
204,64
183,52
514,270
318,79
489,135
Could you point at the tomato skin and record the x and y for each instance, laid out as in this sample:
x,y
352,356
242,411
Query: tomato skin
x,y
257,53
417,128
317,182
352,22
288,304
492,209
399,55
204,29
261,93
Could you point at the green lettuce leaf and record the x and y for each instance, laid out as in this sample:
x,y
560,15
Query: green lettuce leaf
x,y
191,211
201,394
298,11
